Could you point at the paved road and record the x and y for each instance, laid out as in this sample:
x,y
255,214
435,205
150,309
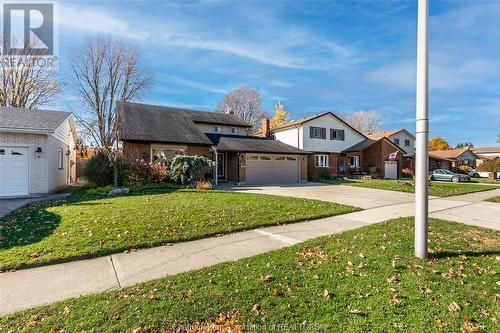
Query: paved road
x,y
43,285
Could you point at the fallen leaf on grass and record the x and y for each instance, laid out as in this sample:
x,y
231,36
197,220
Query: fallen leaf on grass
x,y
268,278
394,299
33,255
454,307
33,320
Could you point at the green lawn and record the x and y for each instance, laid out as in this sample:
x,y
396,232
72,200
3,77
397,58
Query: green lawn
x,y
364,280
85,226
494,199
485,180
440,189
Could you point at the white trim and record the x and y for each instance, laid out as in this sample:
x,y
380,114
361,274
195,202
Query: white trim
x,y
322,160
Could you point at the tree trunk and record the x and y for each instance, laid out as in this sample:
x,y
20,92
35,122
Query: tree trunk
x,y
115,175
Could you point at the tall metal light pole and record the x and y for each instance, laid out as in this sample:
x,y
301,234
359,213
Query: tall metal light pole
x,y
422,131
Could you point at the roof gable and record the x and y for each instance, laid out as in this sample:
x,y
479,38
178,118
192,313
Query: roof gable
x,y
302,121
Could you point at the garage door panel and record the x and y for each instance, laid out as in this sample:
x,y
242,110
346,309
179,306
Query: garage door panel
x,y
278,170
14,168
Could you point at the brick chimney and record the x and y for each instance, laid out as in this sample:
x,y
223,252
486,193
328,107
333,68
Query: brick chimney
x,y
266,127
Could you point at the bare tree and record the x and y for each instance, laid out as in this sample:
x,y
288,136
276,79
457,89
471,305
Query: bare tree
x,y
365,121
23,82
245,103
106,71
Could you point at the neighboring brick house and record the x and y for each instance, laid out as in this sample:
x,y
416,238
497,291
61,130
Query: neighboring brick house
x,y
404,140
452,159
339,149
156,133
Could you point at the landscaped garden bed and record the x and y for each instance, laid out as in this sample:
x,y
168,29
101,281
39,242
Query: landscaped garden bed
x,y
361,280
89,223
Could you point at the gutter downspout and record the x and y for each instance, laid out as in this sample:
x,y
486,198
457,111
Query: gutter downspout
x,y
216,166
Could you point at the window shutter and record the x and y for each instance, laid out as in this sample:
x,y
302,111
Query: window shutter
x,y
342,135
311,132
323,133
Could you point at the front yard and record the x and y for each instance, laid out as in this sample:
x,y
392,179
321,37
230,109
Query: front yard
x,y
361,280
87,224
439,189
494,199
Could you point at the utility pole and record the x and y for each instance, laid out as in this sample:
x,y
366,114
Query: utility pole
x,y
422,131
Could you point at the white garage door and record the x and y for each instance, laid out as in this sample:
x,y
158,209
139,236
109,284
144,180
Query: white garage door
x,y
272,169
391,169
14,171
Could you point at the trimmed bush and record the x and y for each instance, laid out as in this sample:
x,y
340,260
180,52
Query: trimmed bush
x,y
184,168
140,173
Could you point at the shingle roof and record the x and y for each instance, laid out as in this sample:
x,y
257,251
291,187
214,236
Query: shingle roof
x,y
251,144
486,150
388,133
142,122
368,142
360,145
31,119
450,153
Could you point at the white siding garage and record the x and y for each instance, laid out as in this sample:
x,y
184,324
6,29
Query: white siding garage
x,y
272,169
14,171
31,142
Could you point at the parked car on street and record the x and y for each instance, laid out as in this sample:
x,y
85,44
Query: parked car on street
x,y
447,175
476,174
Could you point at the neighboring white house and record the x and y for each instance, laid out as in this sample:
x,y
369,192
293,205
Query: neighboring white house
x,y
37,151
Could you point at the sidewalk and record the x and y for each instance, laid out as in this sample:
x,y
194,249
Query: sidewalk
x,y
43,285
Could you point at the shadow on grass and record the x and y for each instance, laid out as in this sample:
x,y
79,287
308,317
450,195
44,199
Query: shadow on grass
x,y
33,222
451,254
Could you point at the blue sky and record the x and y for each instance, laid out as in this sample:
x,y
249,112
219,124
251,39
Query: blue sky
x,y
313,56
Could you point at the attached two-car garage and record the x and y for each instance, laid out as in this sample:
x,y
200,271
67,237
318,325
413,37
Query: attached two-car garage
x,y
272,168
14,171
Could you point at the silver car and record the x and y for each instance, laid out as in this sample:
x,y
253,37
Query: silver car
x,y
447,175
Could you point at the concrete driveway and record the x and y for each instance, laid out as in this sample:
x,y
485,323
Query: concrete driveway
x,y
9,205
348,195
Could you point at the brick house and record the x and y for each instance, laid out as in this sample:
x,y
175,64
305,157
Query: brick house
x,y
339,149
154,133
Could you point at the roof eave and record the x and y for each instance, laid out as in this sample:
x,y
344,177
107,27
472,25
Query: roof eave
x,y
26,130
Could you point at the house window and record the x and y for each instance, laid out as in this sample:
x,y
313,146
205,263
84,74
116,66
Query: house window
x,y
317,132
60,158
407,143
396,141
217,129
321,161
252,157
235,130
354,161
2,151
265,158
337,134
163,155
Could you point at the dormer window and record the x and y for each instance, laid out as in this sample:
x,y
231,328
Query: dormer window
x,y
217,129
235,130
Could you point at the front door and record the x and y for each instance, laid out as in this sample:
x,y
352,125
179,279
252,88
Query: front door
x,y
342,166
221,165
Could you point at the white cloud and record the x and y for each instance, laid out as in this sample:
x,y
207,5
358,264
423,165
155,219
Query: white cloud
x,y
194,84
281,46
